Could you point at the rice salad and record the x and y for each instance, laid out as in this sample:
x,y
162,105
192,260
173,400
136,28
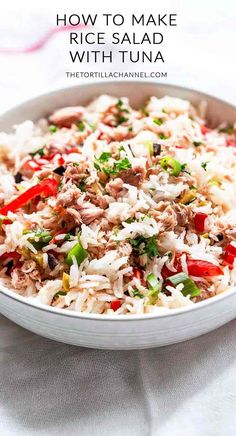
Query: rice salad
x,y
110,210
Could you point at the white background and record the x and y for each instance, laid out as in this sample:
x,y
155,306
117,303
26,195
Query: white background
x,y
48,388
199,52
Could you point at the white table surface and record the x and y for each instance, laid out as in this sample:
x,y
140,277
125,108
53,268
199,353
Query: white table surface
x,y
47,388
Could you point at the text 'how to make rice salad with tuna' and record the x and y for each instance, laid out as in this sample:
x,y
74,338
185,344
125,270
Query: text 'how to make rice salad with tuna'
x,y
110,210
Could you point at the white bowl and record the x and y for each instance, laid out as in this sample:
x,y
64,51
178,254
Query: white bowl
x,y
106,331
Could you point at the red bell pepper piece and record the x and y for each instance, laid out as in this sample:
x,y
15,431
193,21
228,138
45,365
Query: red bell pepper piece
x,y
72,150
197,268
32,165
138,274
202,268
230,142
60,161
229,255
231,249
205,129
199,221
166,272
46,188
115,305
11,255
59,232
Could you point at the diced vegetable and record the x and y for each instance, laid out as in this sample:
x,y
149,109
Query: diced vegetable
x,y
152,296
162,136
205,129
52,263
189,286
79,252
188,197
202,268
60,293
18,177
156,149
80,125
115,305
171,165
137,293
41,239
158,121
230,142
227,129
39,152
197,268
59,170
199,221
152,281
10,255
31,165
52,128
46,188
229,255
138,273
154,288
4,221
149,146
66,281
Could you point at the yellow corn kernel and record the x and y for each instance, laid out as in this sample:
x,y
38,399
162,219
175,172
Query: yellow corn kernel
x,y
66,282
187,198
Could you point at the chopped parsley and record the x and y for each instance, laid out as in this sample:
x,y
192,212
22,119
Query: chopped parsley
x,y
80,125
197,143
162,136
137,241
122,164
118,166
121,110
228,129
82,186
150,245
104,157
120,119
40,239
130,129
63,293
129,220
151,248
39,152
67,237
97,167
144,111
204,165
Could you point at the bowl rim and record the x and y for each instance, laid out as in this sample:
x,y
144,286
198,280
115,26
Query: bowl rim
x,y
101,83
28,301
